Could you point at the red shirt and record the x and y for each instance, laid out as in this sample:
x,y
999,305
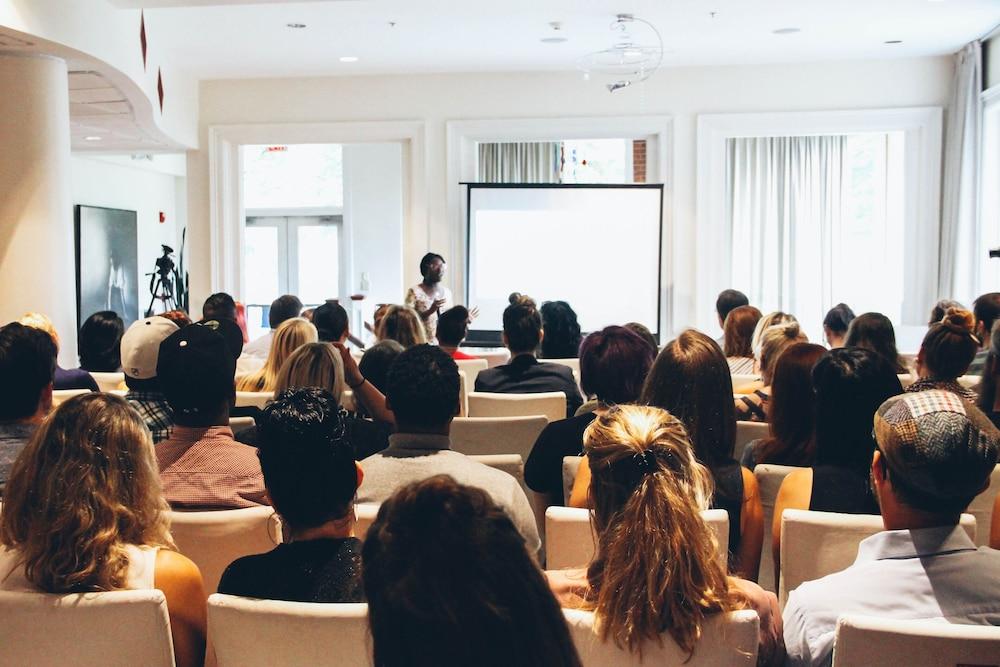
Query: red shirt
x,y
458,354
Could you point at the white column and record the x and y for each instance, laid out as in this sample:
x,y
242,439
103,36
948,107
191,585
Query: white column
x,y
37,250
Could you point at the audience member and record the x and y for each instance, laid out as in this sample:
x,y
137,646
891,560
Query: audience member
x,y
835,325
202,467
727,301
422,391
283,308
449,582
945,354
737,336
873,331
140,349
100,337
219,306
289,336
403,325
311,478
987,311
331,322
377,360
321,366
429,297
614,363
452,328
767,321
522,333
989,397
27,366
850,384
643,332
935,454
941,308
73,378
562,331
83,512
774,341
656,567
791,411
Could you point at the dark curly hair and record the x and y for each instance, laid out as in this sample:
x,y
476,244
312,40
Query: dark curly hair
x,y
422,387
562,331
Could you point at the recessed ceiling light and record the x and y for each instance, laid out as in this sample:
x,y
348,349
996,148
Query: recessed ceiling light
x,y
348,59
92,137
296,26
786,31
893,41
553,40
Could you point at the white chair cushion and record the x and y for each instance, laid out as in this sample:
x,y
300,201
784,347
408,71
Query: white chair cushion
x,y
496,435
884,642
551,404
256,399
981,508
769,479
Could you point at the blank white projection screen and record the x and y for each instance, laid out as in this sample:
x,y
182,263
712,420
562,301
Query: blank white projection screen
x,y
596,248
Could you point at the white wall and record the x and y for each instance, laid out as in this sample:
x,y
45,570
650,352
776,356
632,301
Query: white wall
x,y
373,219
111,184
434,99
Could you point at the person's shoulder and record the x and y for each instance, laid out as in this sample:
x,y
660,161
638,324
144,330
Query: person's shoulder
x,y
176,571
243,574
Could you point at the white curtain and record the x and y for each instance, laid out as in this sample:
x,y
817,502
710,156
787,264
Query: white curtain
x,y
784,199
525,162
958,263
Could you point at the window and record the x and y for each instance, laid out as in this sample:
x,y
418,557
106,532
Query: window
x,y
570,161
596,161
293,176
988,269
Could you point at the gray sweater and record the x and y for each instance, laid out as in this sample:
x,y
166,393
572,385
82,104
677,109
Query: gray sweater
x,y
412,457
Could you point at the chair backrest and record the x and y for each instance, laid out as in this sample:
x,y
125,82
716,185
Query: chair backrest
x,y
247,632
885,642
61,395
240,423
726,639
496,435
572,362
981,507
743,379
570,538
213,540
747,431
108,381
512,464
347,401
365,513
906,379
472,368
571,465
970,381
769,479
257,399
463,394
551,404
112,628
494,358
815,544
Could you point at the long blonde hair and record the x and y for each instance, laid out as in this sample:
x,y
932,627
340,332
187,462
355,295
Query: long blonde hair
x,y
288,337
85,486
403,325
656,568
312,365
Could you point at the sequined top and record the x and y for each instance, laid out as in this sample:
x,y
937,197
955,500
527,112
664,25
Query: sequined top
x,y
323,570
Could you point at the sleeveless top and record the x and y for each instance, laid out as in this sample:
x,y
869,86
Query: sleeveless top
x,y
141,567
836,489
729,496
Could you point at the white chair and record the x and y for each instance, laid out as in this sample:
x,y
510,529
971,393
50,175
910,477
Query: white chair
x,y
365,514
213,540
727,640
240,423
970,381
472,368
551,404
84,629
512,464
981,508
769,479
815,544
884,642
347,401
570,538
747,431
61,395
495,357
108,381
572,362
906,379
463,394
257,399
743,379
496,435
247,632
571,466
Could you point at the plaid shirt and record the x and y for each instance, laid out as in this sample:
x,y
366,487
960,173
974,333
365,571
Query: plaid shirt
x,y
154,410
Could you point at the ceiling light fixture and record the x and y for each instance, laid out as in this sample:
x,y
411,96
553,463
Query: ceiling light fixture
x,y
555,38
92,137
626,61
348,59
295,26
786,31
893,41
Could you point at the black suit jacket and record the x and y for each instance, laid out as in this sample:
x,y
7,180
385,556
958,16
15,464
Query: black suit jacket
x,y
525,375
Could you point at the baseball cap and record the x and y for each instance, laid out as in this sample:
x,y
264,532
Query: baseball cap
x,y
937,444
196,369
140,346
230,332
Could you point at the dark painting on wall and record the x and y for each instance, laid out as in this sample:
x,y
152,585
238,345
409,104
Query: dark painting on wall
x,y
107,263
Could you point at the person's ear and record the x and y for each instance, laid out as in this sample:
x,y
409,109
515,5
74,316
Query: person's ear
x,y
503,339
541,336
361,474
920,357
878,468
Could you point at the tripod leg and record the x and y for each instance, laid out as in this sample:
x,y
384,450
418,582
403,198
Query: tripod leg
x,y
152,300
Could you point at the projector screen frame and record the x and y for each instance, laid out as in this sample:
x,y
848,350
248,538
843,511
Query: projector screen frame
x,y
492,337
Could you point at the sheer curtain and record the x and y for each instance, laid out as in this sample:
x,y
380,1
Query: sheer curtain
x,y
784,201
958,265
524,162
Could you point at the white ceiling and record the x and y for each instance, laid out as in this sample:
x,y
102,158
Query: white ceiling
x,y
243,38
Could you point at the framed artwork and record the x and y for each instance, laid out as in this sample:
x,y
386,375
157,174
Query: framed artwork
x,y
107,263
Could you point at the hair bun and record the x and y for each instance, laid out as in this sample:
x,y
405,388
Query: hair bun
x,y
518,299
959,320
791,329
